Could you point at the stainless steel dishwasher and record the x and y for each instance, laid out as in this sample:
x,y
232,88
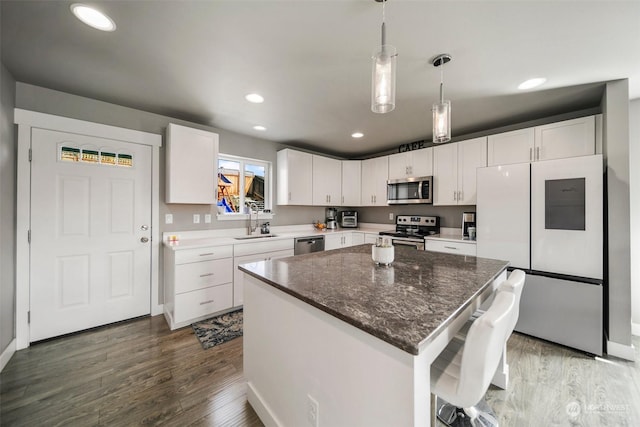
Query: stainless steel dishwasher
x,y
306,245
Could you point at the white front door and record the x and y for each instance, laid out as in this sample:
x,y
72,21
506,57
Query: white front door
x,y
90,232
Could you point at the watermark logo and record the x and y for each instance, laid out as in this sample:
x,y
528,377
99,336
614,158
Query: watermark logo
x,y
573,409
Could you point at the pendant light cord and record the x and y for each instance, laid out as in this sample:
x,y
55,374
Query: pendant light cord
x,y
384,28
442,82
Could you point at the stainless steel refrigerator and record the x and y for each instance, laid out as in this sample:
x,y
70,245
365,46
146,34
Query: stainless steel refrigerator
x,y
546,218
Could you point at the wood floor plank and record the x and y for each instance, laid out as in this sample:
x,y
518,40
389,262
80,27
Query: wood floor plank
x,y
141,373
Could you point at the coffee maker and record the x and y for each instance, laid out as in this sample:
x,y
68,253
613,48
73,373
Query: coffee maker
x,y
331,218
468,220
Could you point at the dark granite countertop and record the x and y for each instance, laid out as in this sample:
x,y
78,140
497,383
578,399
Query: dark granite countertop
x,y
406,304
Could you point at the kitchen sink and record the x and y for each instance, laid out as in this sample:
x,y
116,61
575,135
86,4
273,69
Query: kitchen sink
x,y
257,236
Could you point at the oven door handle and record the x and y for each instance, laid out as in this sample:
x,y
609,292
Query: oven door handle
x,y
417,245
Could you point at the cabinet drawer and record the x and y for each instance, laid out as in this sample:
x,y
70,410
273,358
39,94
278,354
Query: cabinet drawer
x,y
203,254
262,247
459,248
191,305
198,275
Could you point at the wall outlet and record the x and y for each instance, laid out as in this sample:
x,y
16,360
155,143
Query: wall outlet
x,y
207,218
313,411
196,218
390,216
168,218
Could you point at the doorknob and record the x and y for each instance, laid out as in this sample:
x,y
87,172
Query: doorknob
x,y
144,239
144,227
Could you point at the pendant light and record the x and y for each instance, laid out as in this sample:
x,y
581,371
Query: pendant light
x,y
383,80
442,109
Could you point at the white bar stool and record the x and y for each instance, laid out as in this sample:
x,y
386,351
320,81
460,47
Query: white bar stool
x,y
462,373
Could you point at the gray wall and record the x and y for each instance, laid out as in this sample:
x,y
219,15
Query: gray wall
x,y
450,216
44,100
8,156
634,200
615,148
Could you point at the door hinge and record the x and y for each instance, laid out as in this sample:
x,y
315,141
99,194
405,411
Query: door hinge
x,y
28,236
30,154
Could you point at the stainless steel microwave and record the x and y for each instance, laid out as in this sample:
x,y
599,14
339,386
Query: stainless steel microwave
x,y
410,190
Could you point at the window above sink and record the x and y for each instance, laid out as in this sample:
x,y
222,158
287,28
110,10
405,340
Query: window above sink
x,y
243,182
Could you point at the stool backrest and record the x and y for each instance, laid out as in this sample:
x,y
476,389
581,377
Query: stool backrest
x,y
514,284
483,348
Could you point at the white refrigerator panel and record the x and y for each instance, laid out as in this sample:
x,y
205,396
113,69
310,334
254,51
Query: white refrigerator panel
x,y
503,210
567,217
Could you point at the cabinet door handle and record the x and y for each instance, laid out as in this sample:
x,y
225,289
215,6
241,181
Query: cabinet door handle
x,y
454,196
207,274
451,247
206,302
289,195
530,154
537,153
460,196
207,254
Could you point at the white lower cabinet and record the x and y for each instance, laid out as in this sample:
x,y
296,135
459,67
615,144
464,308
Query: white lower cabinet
x,y
371,237
357,238
450,247
197,283
256,252
337,241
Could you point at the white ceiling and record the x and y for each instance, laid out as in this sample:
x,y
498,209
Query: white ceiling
x,y
311,60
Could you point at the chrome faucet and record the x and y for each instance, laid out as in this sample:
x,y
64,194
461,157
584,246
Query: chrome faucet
x,y
251,228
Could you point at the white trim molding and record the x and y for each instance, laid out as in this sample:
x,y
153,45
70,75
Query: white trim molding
x,y
26,120
623,351
635,329
7,354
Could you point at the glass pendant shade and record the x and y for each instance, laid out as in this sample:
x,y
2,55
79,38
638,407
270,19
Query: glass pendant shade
x,y
383,80
442,121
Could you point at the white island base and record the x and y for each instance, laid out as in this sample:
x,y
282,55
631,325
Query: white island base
x,y
296,354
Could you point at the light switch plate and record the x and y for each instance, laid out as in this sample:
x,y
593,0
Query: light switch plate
x,y
207,218
391,216
168,218
196,218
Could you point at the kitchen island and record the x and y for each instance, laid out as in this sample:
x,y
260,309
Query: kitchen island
x,y
331,339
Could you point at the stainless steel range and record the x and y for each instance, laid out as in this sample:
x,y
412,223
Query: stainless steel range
x,y
411,230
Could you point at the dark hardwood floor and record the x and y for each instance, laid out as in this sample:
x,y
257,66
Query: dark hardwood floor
x,y
141,373
131,373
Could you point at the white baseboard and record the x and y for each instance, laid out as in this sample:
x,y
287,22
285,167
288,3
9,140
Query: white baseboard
x,y
7,354
635,329
622,351
157,309
258,405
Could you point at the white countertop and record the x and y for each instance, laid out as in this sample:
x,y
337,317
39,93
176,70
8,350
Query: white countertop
x,y
450,237
209,238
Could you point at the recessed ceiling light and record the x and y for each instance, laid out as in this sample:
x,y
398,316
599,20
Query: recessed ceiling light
x,y
531,83
259,127
357,135
255,98
93,17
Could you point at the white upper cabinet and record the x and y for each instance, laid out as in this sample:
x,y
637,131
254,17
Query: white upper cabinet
x,y
511,147
375,173
191,165
409,164
569,138
351,179
454,171
294,177
327,181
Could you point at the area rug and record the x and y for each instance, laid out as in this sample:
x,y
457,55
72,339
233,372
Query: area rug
x,y
219,329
